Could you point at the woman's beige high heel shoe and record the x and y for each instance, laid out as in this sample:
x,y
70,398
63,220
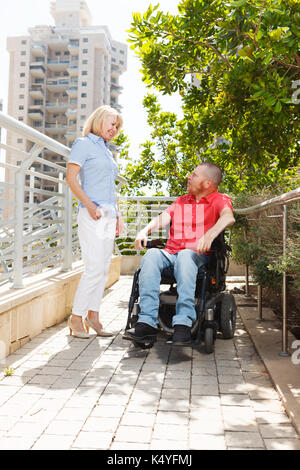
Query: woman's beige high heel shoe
x,y
78,334
100,332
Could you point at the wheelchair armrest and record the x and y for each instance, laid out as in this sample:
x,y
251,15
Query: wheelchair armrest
x,y
155,244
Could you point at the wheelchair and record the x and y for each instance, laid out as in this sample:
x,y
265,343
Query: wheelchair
x,y
215,309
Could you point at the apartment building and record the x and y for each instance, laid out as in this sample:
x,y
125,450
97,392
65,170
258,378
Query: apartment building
x,y
59,74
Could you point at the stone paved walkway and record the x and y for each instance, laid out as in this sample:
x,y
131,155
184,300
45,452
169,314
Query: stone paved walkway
x,y
101,393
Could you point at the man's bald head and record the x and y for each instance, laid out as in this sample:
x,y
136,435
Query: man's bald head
x,y
212,172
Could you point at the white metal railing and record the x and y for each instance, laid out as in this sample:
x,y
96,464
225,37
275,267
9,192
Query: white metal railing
x,y
137,212
38,230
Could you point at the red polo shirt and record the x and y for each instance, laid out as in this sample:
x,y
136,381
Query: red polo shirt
x,y
190,219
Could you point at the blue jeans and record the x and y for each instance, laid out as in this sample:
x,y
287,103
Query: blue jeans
x,y
186,264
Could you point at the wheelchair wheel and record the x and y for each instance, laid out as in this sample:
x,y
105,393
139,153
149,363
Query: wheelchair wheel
x,y
228,316
209,340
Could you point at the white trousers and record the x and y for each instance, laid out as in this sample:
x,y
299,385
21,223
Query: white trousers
x,y
96,239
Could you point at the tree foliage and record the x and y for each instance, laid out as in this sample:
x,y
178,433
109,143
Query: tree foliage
x,y
239,109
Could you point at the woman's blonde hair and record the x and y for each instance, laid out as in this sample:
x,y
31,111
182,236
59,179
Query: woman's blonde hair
x,y
95,122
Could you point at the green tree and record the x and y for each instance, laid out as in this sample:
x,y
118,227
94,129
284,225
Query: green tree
x,y
238,109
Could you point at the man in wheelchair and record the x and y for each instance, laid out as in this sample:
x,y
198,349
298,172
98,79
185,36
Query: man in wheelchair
x,y
195,219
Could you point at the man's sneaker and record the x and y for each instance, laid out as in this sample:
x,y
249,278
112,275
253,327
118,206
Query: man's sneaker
x,y
182,335
141,333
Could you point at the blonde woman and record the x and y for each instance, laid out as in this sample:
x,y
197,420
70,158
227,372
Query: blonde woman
x,y
98,216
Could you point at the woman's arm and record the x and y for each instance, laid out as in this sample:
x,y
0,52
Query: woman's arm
x,y
71,179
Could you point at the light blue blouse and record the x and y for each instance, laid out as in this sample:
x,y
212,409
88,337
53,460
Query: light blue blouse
x,y
98,170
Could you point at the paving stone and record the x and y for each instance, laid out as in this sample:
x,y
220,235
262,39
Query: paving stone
x,y
268,417
277,430
205,389
168,404
138,419
205,401
164,444
206,442
240,400
101,424
170,431
237,418
282,444
244,439
172,417
133,434
64,428
93,440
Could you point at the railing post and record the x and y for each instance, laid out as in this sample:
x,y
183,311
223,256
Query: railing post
x,y
284,351
18,242
246,269
259,288
67,228
139,217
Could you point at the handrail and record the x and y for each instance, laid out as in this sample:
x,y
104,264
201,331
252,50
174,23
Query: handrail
x,y
279,201
285,198
35,136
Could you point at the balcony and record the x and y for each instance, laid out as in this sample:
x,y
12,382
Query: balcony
x,y
57,106
58,44
36,91
115,90
71,113
73,47
37,71
55,127
73,70
72,91
57,85
36,113
57,65
38,50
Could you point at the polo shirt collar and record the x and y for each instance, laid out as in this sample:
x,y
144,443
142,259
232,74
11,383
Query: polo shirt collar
x,y
204,199
95,138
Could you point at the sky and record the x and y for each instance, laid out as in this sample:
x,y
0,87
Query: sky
x,y
19,15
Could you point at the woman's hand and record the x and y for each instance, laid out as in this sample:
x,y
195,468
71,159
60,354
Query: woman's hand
x,y
94,211
120,226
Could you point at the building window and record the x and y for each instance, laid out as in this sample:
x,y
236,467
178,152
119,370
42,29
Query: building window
x,y
23,52
114,49
83,95
85,39
121,62
121,51
21,97
21,108
84,62
22,74
24,41
22,85
84,51
20,119
113,59
83,106
82,117
23,64
84,84
20,141
84,72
